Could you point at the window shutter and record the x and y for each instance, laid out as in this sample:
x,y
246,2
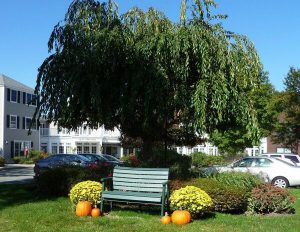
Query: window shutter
x,y
7,121
19,97
31,145
8,94
12,149
23,122
24,98
18,122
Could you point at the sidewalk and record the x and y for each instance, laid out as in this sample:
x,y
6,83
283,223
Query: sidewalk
x,y
16,174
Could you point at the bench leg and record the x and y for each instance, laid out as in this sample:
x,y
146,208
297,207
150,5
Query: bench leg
x,y
101,206
111,205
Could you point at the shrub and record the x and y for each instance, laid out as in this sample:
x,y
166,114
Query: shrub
x,y
59,181
86,191
267,198
2,161
131,160
226,199
239,179
178,164
200,159
192,199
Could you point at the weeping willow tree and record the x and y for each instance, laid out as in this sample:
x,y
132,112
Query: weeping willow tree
x,y
154,79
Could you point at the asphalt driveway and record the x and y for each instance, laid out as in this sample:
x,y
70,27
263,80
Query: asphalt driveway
x,y
16,174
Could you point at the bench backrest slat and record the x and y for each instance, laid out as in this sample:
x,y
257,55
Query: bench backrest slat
x,y
139,179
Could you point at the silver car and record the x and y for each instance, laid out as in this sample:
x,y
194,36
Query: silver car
x,y
276,171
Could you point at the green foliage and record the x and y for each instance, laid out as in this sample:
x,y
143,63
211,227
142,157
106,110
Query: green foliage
x,y
287,106
131,160
2,161
32,157
192,199
200,159
155,79
59,181
267,198
86,191
178,164
226,198
239,179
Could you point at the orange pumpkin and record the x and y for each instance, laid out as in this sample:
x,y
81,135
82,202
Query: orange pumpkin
x,y
166,219
181,217
96,212
83,208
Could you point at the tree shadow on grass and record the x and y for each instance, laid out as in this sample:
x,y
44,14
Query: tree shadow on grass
x,y
16,194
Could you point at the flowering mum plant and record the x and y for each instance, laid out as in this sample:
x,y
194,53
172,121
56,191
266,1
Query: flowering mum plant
x,y
86,191
192,199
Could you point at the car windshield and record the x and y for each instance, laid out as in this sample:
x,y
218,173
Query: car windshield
x,y
83,158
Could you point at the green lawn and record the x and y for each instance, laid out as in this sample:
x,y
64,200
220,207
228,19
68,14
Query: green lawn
x,y
20,210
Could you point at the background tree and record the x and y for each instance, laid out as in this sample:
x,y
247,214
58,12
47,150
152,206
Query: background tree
x,y
155,80
235,140
287,106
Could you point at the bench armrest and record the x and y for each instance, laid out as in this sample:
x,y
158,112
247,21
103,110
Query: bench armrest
x,y
166,182
105,181
105,178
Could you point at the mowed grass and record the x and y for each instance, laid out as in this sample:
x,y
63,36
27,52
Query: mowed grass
x,y
21,210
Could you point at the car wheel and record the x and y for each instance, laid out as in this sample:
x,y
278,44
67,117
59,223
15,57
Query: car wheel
x,y
280,182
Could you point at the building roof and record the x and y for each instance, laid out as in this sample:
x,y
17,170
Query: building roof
x,y
11,83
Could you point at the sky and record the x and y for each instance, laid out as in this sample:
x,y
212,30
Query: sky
x,y
272,25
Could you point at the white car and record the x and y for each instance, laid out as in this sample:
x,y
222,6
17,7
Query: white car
x,y
293,158
276,171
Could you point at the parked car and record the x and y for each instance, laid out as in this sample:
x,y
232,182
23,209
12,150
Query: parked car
x,y
293,158
97,159
113,159
276,171
60,160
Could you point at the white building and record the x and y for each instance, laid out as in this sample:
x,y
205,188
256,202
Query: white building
x,y
83,140
206,148
258,150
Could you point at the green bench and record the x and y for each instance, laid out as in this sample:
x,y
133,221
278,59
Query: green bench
x,y
137,185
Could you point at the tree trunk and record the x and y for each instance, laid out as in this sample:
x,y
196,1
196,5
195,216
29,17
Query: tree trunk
x,y
147,149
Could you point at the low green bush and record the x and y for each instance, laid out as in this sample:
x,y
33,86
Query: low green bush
x,y
33,156
2,161
267,198
59,181
226,199
200,159
192,199
239,179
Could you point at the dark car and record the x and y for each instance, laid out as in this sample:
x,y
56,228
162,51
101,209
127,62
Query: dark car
x,y
102,160
60,160
113,159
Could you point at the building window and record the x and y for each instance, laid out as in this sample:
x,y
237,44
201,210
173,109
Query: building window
x,y
283,150
13,121
29,99
69,148
94,149
54,148
61,148
86,149
44,147
27,122
79,149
